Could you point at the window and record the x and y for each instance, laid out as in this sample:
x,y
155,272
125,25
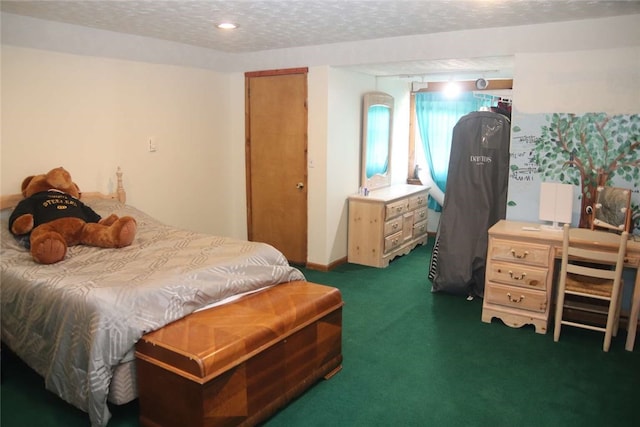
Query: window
x,y
433,116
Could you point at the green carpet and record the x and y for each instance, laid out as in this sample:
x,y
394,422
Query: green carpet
x,y
414,358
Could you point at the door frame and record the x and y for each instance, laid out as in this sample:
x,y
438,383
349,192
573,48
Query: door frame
x,y
247,121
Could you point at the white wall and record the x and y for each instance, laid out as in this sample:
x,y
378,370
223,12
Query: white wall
x,y
595,81
600,80
91,115
231,158
335,118
318,118
85,94
343,155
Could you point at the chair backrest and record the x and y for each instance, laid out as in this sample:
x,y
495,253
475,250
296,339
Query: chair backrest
x,y
593,261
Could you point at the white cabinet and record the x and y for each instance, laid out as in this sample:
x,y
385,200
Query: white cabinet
x,y
389,222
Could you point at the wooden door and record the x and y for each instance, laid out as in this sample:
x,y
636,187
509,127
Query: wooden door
x,y
276,157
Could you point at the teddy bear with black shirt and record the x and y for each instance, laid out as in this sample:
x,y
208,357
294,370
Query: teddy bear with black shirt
x,y
53,218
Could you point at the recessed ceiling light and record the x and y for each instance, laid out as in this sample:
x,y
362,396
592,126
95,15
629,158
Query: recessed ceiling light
x,y
227,26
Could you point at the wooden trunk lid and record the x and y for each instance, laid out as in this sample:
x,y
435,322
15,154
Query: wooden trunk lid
x,y
207,343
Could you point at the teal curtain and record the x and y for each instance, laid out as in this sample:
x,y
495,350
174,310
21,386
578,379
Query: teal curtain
x,y
378,140
436,116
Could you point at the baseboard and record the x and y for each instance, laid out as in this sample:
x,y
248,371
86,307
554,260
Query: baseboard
x,y
338,262
325,268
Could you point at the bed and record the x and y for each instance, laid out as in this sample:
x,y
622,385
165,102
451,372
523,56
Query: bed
x,y
76,322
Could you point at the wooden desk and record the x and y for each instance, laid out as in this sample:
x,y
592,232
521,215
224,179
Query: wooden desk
x,y
520,272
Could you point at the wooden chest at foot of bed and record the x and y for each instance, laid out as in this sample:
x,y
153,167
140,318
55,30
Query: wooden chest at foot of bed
x,y
238,363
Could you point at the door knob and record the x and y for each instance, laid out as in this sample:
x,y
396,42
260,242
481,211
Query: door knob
x,y
300,185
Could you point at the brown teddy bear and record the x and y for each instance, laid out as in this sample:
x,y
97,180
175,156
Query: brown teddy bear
x,y
56,218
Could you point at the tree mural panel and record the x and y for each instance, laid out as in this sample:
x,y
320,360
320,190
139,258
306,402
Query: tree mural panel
x,y
587,151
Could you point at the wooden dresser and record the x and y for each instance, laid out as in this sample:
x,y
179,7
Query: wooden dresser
x,y
389,222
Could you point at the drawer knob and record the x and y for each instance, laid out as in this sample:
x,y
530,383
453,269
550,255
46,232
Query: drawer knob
x,y
517,277
395,226
519,256
518,300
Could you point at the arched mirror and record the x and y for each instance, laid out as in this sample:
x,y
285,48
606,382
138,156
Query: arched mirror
x,y
377,128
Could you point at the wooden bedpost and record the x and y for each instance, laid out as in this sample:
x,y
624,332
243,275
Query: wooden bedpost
x,y
122,195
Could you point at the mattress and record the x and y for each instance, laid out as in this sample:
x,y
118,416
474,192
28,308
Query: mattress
x,y
123,388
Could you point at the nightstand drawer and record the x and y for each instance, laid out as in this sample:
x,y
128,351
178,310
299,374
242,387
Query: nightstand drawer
x,y
528,253
520,298
517,274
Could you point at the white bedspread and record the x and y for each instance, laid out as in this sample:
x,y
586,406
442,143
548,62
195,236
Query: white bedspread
x,y
74,321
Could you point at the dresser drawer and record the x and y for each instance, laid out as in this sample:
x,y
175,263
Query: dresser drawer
x,y
421,214
393,226
517,274
418,201
529,253
520,298
395,209
419,228
393,241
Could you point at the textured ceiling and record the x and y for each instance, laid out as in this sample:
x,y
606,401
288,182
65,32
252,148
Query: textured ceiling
x,y
265,25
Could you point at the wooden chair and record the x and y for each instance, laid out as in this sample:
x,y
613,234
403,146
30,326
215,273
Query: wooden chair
x,y
591,275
